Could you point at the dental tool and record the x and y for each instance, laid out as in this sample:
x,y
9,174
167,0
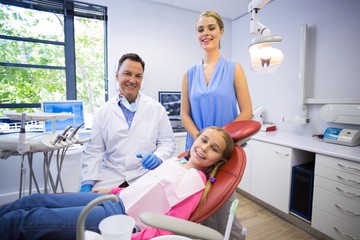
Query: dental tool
x,y
61,136
71,138
23,146
76,130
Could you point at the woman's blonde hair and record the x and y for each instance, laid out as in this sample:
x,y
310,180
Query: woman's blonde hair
x,y
212,171
214,15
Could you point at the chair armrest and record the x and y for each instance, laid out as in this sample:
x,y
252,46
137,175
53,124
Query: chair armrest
x,y
180,226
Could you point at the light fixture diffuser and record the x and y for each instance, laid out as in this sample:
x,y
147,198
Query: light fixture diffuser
x,y
264,58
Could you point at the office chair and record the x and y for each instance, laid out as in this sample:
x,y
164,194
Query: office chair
x,y
227,180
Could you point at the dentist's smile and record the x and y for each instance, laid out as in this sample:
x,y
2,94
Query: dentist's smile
x,y
130,86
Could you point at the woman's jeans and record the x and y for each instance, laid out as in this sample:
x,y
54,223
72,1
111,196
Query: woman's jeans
x,y
52,216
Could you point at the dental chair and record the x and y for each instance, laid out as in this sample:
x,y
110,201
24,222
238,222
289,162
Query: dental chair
x,y
227,180
231,172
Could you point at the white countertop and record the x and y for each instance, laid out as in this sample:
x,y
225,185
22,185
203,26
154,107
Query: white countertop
x,y
310,144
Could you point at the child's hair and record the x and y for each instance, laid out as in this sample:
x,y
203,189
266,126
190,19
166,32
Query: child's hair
x,y
211,171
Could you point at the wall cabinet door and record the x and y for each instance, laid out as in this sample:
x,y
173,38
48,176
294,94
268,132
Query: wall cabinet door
x,y
271,174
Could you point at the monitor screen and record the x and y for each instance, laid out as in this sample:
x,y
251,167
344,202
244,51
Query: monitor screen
x,y
171,101
70,106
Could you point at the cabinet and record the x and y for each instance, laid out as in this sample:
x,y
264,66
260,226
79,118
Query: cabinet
x,y
271,170
336,203
271,174
336,194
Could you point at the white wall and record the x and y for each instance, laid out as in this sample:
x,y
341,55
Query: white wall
x,y
333,58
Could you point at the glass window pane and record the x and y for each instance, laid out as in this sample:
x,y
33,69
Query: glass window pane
x,y
32,53
32,42
31,85
90,59
29,23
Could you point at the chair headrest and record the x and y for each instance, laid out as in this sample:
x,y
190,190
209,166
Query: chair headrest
x,y
244,129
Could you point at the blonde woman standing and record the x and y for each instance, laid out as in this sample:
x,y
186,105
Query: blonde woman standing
x,y
212,92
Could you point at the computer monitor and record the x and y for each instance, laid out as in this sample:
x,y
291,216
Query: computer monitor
x,y
70,106
172,102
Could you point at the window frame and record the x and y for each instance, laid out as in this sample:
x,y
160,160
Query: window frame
x,y
69,9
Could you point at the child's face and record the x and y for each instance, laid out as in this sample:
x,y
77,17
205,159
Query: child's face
x,y
207,149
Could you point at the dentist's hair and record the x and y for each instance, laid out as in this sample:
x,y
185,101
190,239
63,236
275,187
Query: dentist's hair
x,y
133,57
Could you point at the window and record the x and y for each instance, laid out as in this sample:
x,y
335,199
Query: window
x,y
52,50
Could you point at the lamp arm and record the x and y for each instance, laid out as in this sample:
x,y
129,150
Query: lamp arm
x,y
257,4
256,27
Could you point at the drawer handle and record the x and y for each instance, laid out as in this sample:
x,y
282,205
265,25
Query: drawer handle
x,y
351,168
284,154
348,180
349,193
344,235
347,211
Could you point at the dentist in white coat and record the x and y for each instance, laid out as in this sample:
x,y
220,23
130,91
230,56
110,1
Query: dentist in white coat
x,y
131,133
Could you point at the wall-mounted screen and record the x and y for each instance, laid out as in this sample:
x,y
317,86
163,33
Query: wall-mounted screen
x,y
71,106
171,101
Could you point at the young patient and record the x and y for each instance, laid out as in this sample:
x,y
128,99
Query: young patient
x,y
174,188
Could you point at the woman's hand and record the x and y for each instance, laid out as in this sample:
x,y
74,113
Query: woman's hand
x,y
104,191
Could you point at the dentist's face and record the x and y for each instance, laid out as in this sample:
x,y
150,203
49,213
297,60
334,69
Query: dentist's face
x,y
129,77
208,33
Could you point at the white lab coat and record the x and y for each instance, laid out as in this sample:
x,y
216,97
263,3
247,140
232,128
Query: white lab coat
x,y
110,156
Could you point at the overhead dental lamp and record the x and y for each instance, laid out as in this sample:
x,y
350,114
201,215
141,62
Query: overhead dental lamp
x,y
264,58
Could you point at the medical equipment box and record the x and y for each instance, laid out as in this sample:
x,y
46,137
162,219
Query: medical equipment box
x,y
349,137
302,191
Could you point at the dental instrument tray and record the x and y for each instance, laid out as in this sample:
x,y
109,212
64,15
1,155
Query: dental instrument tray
x,y
349,137
40,116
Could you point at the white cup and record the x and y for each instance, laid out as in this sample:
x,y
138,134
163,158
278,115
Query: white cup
x,y
117,227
